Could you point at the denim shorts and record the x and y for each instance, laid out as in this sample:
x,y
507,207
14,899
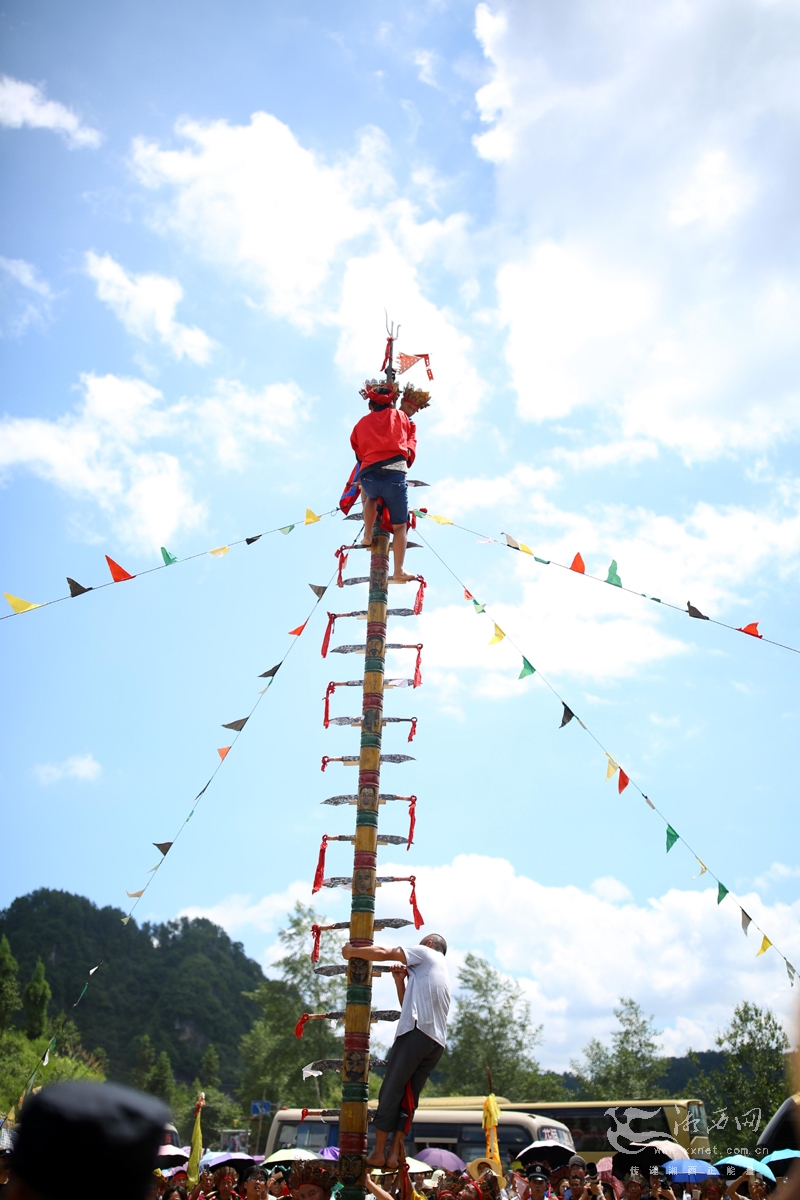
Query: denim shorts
x,y
391,487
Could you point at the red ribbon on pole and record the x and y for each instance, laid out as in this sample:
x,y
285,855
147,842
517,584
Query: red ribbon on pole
x,y
329,690
412,820
420,596
303,1114
412,519
408,1105
387,355
325,761
319,874
417,668
412,733
342,557
412,900
316,933
326,641
299,1028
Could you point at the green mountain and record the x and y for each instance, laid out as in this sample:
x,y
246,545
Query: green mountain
x,y
180,982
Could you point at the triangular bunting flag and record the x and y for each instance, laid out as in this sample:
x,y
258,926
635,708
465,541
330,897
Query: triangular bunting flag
x,y
672,838
577,565
746,922
612,767
318,589
765,945
125,920
19,605
134,895
510,541
703,867
440,520
220,551
651,805
75,588
790,971
51,1046
752,629
498,635
722,892
311,517
168,558
526,550
468,595
613,577
566,716
271,673
223,750
479,608
527,668
118,573
695,612
286,529
299,630
262,690
162,846
624,780
155,868
237,726
250,541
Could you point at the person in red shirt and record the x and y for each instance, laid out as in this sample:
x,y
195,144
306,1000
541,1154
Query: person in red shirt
x,y
385,444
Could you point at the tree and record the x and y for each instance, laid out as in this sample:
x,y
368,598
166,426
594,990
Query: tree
x,y
36,999
145,1061
210,1067
491,1040
742,1094
9,986
631,1068
161,1081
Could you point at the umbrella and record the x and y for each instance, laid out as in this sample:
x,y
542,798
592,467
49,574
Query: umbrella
x,y
747,1163
686,1170
331,1152
645,1155
779,1155
170,1156
445,1159
290,1154
551,1152
228,1158
416,1166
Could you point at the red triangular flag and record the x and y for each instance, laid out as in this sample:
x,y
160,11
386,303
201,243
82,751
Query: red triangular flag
x,y
468,595
299,630
752,629
223,751
623,781
577,565
118,573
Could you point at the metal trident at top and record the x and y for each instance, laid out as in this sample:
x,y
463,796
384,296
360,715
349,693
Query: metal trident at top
x,y
391,336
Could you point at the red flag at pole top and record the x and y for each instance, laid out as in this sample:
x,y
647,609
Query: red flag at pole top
x,y
408,360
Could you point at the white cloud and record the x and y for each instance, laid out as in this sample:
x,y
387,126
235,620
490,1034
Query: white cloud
x,y
537,933
425,62
100,452
24,104
80,766
145,304
715,194
27,276
27,297
778,873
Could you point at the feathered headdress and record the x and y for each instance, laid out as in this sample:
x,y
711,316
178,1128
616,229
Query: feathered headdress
x,y
415,398
380,391
310,1171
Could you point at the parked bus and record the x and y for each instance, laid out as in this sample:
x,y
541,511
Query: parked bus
x,y
459,1130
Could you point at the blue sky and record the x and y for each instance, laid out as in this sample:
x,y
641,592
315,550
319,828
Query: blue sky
x,y
588,218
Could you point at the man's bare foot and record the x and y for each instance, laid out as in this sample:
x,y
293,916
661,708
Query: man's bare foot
x,y
392,1162
401,577
366,542
376,1160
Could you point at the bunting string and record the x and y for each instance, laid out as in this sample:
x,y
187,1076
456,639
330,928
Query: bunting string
x,y
623,779
577,567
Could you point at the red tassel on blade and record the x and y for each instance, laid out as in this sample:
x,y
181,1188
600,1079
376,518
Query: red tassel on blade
x,y
420,596
329,690
303,1114
412,733
319,874
300,1027
386,520
418,921
326,641
412,820
408,1105
412,519
316,933
325,761
342,557
418,668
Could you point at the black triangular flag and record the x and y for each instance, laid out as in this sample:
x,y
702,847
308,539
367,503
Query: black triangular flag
x,y
695,612
162,846
253,539
237,726
76,589
318,590
270,673
567,716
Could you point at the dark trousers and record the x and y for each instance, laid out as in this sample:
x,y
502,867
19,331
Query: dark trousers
x,y
411,1060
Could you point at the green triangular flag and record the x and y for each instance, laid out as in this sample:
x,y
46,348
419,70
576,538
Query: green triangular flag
x,y
672,838
168,558
286,529
546,561
722,892
479,608
527,668
613,577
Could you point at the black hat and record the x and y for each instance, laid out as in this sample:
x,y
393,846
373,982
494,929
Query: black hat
x,y
577,1161
115,1128
538,1170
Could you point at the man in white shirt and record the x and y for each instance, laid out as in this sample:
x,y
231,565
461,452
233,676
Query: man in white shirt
x,y
423,988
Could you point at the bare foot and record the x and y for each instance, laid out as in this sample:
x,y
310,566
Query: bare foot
x,y
392,1162
366,542
403,578
376,1160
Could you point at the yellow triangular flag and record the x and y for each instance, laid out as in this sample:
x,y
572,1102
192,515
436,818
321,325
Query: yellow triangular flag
x,y
19,605
765,945
193,1165
612,767
440,520
498,633
311,517
525,549
155,868
134,895
125,920
703,868
220,550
